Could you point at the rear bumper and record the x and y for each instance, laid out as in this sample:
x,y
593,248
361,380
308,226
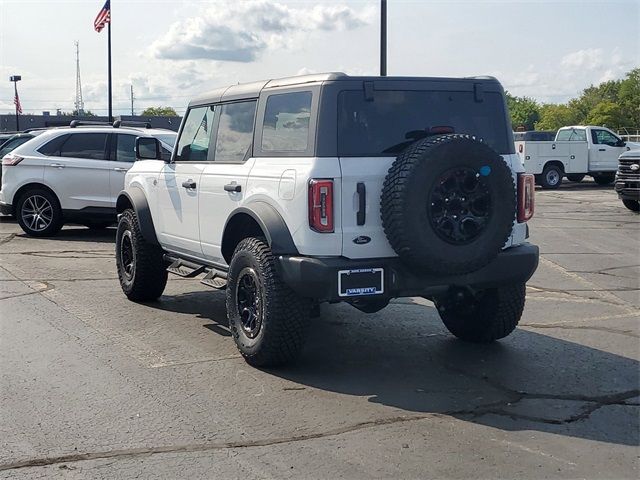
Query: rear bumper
x,y
6,209
318,277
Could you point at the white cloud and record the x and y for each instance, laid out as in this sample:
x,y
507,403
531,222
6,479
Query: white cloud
x,y
242,31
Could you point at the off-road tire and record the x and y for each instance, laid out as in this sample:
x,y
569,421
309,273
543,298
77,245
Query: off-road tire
x,y
56,212
408,190
632,205
549,173
494,314
284,316
149,276
605,178
575,177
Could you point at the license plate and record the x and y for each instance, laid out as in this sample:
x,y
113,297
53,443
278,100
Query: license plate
x,y
360,282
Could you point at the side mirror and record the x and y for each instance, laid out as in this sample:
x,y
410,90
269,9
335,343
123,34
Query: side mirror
x,y
621,143
148,148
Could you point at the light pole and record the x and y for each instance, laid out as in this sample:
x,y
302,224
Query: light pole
x,y
15,79
383,38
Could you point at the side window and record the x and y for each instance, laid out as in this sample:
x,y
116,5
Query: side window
x,y
125,148
286,122
85,145
52,147
193,144
235,131
602,137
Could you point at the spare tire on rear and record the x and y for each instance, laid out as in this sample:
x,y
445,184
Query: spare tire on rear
x,y
448,204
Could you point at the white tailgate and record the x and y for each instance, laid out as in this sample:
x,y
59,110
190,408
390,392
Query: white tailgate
x,y
371,171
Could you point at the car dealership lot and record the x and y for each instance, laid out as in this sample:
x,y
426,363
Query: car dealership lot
x,y
93,385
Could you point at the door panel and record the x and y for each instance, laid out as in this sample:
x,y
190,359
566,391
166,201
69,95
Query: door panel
x,y
79,182
123,155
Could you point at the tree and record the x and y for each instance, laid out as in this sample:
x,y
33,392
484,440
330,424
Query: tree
x,y
553,116
629,98
159,112
608,114
525,111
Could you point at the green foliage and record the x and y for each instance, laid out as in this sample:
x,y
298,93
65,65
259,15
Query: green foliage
x,y
159,112
525,112
615,104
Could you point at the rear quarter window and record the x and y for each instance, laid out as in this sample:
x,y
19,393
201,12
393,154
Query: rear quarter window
x,y
392,120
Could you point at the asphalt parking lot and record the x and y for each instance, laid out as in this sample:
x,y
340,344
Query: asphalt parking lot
x,y
94,386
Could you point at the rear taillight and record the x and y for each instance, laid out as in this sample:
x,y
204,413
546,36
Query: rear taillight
x,y
526,196
11,160
321,205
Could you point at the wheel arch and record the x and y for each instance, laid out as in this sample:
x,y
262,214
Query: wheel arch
x,y
556,163
29,186
257,218
136,200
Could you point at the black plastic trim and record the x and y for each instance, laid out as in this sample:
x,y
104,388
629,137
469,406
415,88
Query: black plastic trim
x,y
137,199
89,213
272,224
6,209
318,277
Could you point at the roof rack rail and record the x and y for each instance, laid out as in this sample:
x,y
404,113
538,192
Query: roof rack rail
x,y
81,123
130,123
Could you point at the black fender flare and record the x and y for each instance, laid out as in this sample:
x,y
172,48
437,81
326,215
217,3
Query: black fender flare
x,y
137,199
272,224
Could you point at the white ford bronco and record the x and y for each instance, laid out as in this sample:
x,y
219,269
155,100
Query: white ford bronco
x,y
328,188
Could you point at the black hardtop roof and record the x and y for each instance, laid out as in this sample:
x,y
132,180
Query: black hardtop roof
x,y
253,89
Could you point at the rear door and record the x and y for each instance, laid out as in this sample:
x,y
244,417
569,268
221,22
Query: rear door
x,y
373,131
223,183
78,171
123,154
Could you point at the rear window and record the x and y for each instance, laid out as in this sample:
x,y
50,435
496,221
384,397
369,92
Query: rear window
x,y
394,119
286,122
572,135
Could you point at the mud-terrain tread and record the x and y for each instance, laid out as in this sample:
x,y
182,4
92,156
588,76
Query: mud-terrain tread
x,y
495,319
151,275
286,314
393,208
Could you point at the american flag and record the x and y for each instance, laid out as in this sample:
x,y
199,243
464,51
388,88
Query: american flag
x,y
103,17
16,101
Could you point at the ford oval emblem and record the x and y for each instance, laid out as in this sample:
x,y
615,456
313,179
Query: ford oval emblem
x,y
361,240
635,167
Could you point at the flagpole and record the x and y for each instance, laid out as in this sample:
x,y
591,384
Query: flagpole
x,y
109,55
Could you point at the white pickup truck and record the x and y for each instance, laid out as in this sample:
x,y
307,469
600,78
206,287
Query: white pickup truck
x,y
576,151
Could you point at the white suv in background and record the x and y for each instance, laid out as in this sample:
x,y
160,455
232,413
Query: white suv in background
x,y
72,174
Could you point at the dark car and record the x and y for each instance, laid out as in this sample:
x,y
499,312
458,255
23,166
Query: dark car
x,y
628,180
534,136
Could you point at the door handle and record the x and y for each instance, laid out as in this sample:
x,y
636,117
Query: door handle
x,y
189,184
361,216
57,165
120,169
602,149
232,187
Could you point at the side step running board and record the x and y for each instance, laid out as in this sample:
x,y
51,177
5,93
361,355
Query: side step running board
x,y
187,269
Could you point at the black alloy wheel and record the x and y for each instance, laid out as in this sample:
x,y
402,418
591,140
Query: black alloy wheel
x,y
459,206
248,301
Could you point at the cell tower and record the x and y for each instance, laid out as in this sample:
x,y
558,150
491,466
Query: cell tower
x,y
79,103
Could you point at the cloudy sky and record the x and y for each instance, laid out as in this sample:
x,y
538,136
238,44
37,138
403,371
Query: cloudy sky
x,y
172,50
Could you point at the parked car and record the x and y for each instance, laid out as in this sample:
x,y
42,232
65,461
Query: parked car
x,y
71,174
14,141
627,183
575,152
330,188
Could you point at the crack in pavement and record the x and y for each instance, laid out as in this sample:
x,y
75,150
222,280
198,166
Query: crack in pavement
x,y
47,287
629,333
493,408
9,237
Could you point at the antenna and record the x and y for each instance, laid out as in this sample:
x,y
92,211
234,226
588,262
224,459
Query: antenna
x,y
79,103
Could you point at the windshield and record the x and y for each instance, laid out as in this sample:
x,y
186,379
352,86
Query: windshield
x,y
391,121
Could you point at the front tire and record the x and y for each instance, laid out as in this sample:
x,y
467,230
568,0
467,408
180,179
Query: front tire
x,y
484,316
141,269
551,177
39,214
632,205
267,319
